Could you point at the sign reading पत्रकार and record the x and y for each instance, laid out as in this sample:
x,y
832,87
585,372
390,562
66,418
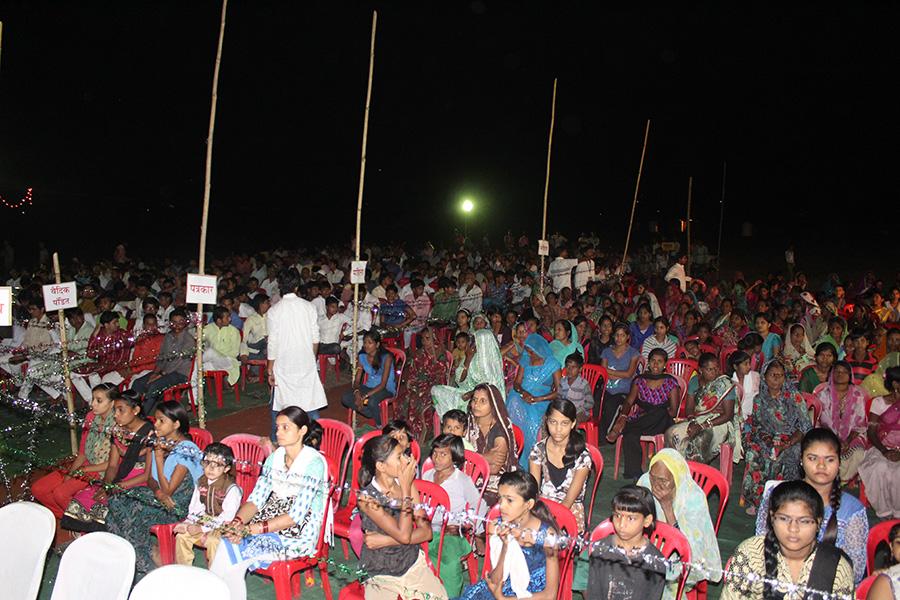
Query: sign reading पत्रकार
x,y
358,271
5,306
201,289
60,296
543,248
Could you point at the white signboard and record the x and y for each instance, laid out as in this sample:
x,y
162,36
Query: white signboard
x,y
543,248
5,306
201,289
358,271
59,296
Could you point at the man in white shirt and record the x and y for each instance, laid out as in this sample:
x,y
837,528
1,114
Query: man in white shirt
x,y
315,297
676,271
584,272
333,327
420,303
470,294
560,270
292,346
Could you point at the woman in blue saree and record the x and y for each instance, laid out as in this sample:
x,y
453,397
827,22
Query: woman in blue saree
x,y
536,385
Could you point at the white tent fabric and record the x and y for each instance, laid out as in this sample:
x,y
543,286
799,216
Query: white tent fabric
x,y
179,582
27,530
97,566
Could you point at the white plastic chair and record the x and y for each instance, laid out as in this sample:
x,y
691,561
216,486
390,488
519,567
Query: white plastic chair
x,y
97,566
179,582
27,530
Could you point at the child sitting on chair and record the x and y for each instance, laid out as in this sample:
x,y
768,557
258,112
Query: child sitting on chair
x,y
215,501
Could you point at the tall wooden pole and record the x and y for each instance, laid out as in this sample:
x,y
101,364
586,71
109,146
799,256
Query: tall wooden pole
x,y
637,187
547,179
201,263
688,224
359,198
721,219
67,379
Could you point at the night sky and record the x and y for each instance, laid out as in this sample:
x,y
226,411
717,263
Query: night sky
x,y
104,110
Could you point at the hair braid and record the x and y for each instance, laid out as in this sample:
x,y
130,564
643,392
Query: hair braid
x,y
831,530
770,554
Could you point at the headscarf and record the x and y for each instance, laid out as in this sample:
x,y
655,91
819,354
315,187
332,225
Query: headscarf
x,y
486,365
483,317
765,419
498,410
853,418
561,350
692,513
798,359
541,347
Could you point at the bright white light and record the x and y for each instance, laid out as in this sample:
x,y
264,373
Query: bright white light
x,y
468,205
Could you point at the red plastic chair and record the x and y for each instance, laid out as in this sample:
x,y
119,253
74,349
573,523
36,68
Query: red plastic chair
x,y
681,367
219,378
863,590
176,391
596,374
710,479
812,404
248,456
434,496
877,535
724,355
519,438
475,466
323,367
201,437
590,432
650,445
282,572
565,521
666,538
245,371
337,440
597,460
342,515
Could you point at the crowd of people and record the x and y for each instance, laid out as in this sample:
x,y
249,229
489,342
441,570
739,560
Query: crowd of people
x,y
800,384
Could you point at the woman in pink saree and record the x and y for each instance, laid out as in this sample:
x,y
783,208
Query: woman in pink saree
x,y
880,469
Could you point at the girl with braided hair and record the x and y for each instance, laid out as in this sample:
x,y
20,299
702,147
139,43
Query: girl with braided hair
x,y
788,562
844,523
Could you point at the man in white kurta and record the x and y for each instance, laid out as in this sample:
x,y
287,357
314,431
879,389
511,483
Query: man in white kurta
x,y
293,342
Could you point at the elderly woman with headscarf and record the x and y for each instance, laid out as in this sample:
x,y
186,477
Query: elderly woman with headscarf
x,y
565,341
682,504
485,366
844,412
772,434
536,384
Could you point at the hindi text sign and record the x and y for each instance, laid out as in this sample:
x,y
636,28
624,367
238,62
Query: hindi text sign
x,y
543,248
358,271
201,289
60,296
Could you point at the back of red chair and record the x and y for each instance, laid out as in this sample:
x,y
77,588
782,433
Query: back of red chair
x,y
201,437
477,467
877,534
710,479
337,440
416,450
670,541
681,367
862,591
399,364
357,463
434,496
597,460
519,439
593,374
710,348
248,456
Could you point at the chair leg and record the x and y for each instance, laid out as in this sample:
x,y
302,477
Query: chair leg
x,y
218,382
237,393
618,457
346,549
326,583
282,578
472,567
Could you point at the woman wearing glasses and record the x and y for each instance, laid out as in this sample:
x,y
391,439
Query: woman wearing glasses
x,y
789,561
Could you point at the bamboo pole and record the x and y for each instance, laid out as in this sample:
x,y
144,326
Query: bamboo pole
x,y
201,263
1,37
67,378
637,187
688,223
547,179
721,219
359,199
